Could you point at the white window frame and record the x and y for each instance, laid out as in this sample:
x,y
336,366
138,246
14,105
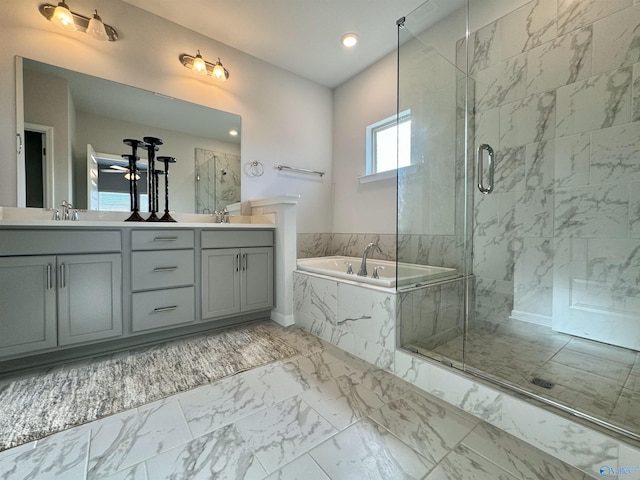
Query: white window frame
x,y
371,161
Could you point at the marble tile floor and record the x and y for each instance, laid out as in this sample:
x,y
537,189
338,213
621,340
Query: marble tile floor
x,y
320,415
598,379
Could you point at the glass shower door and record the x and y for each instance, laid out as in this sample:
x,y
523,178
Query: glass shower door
x,y
431,190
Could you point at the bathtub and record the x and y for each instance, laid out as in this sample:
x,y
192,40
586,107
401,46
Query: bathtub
x,y
409,274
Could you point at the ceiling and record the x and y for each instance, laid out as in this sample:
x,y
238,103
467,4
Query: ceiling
x,y
301,36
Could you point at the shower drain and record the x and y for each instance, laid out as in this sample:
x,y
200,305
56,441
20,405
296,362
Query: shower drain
x,y
541,382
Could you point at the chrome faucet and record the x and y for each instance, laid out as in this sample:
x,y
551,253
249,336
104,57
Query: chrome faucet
x,y
65,209
363,266
68,212
375,271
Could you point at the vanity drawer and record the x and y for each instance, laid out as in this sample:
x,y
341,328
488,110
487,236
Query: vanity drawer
x,y
237,238
162,269
161,239
55,242
163,308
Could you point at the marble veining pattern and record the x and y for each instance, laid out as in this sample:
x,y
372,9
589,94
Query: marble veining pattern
x,y
540,159
60,456
400,431
575,120
209,408
465,463
562,61
528,27
219,454
283,432
428,427
366,450
572,15
616,41
599,102
130,439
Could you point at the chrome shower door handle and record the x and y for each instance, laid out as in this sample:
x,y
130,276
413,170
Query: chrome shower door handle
x,y
480,168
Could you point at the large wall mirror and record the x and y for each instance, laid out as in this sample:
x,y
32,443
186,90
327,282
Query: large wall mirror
x,y
74,124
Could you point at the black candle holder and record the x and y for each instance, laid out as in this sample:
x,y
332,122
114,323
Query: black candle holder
x,y
152,144
133,178
166,160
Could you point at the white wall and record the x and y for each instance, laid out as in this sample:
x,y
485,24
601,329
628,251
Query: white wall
x,y
365,99
285,118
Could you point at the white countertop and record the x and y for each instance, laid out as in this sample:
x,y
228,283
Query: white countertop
x,y
111,224
38,217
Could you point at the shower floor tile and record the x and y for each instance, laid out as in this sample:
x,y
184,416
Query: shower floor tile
x,y
598,379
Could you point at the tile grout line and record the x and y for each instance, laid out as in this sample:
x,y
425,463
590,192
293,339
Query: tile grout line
x,y
461,443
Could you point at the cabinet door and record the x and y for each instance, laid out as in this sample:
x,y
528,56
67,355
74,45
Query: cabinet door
x,y
220,282
257,278
27,304
89,297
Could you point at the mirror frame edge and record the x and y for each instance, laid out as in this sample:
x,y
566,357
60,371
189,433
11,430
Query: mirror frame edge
x,y
21,189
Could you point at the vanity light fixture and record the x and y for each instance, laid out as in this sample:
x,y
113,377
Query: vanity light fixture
x,y
349,40
199,65
62,17
94,27
233,132
220,72
202,67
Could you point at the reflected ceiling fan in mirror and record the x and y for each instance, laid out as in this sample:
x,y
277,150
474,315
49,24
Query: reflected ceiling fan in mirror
x,y
122,170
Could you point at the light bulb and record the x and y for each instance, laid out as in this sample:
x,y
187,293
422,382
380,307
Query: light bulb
x,y
219,72
199,65
349,39
63,18
96,28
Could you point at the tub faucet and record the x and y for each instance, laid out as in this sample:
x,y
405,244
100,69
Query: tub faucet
x,y
375,271
363,266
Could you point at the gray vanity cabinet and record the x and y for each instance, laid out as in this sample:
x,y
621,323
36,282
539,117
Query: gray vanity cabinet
x,y
220,282
70,288
256,278
49,301
58,288
236,280
162,279
28,304
89,297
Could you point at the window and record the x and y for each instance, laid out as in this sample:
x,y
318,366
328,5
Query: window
x,y
120,202
389,143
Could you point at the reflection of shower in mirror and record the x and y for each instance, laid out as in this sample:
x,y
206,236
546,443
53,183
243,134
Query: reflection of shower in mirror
x,y
217,180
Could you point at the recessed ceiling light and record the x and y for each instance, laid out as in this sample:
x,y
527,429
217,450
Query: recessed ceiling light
x,y
349,39
233,132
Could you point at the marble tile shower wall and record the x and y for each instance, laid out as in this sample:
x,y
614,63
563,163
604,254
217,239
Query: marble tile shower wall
x,y
557,88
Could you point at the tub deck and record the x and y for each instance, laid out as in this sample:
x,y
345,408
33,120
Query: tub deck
x,y
409,274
